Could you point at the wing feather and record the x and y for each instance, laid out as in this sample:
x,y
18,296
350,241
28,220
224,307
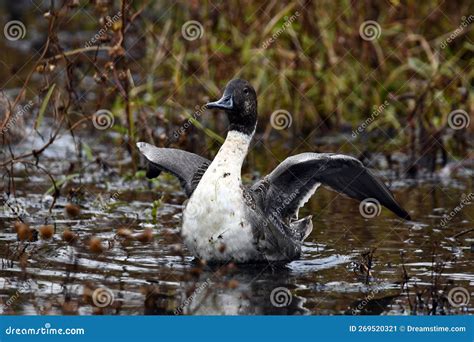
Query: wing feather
x,y
187,166
289,185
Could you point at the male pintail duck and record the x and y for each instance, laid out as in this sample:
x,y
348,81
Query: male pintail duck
x,y
225,220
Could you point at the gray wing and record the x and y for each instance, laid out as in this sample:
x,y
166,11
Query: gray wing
x,y
187,166
291,184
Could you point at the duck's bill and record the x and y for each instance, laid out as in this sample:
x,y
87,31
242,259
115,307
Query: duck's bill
x,y
225,102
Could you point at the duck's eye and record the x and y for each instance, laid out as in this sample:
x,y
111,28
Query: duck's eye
x,y
246,91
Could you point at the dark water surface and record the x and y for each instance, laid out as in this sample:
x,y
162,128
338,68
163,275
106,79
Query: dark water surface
x,y
337,274
350,264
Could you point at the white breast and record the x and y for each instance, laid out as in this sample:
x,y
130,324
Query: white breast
x,y
214,220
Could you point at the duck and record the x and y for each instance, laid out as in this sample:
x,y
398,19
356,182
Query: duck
x,y
226,221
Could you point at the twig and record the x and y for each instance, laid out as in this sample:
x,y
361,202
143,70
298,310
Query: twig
x,y
462,233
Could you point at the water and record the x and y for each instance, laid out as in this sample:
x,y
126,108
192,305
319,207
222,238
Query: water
x,y
415,266
333,275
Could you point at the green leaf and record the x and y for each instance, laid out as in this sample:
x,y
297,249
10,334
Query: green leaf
x,y
43,106
154,210
208,131
140,174
60,183
88,152
420,67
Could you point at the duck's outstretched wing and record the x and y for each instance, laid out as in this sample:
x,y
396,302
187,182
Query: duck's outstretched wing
x,y
294,181
187,166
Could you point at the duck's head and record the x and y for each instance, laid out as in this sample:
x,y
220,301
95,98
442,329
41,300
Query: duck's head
x,y
240,104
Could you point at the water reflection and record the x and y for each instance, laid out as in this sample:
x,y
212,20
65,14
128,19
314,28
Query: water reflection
x,y
333,275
